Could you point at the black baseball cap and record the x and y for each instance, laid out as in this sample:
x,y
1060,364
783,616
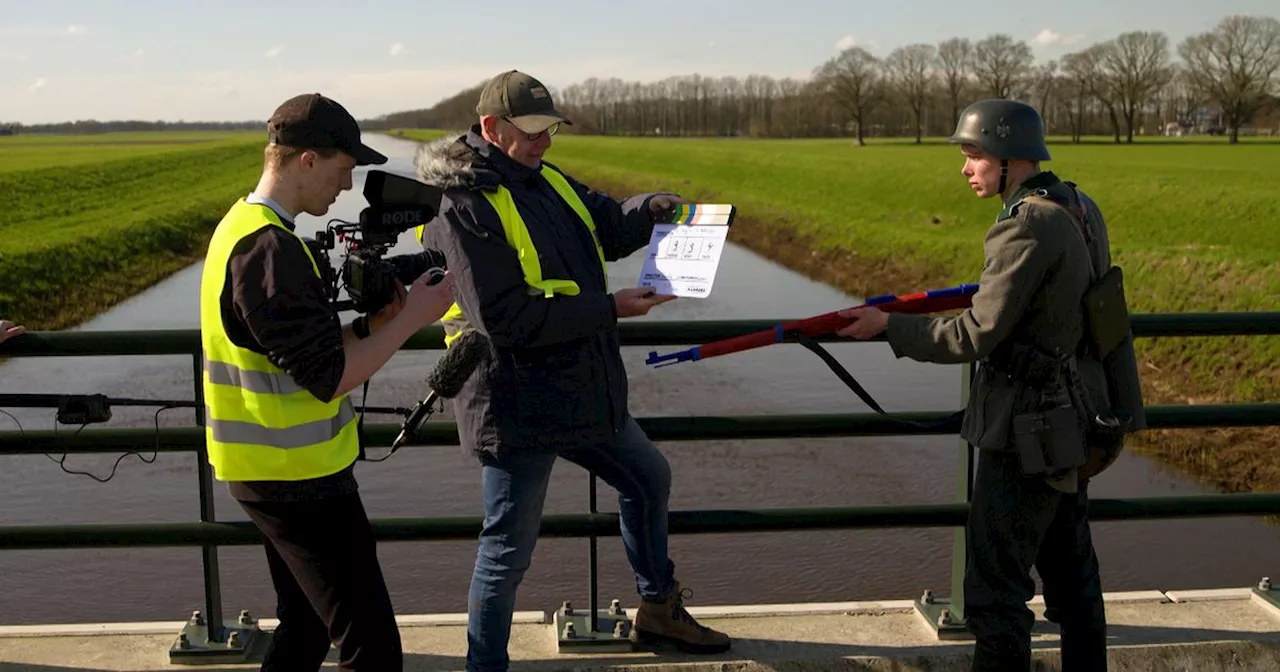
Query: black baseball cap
x,y
521,99
311,121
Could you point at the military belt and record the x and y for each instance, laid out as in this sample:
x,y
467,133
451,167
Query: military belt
x,y
1024,363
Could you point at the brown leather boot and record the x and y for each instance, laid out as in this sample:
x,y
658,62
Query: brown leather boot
x,y
666,621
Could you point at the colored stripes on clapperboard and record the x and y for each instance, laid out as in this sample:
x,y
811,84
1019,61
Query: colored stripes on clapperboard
x,y
703,214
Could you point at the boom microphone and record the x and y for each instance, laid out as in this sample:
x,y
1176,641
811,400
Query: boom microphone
x,y
446,379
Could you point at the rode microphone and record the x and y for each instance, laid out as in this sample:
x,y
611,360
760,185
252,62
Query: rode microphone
x,y
446,379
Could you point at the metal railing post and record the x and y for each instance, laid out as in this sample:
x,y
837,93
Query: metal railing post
x,y
946,616
204,639
208,553
964,491
593,568
581,629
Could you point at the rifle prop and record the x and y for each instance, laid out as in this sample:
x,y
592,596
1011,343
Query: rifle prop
x,y
803,331
932,301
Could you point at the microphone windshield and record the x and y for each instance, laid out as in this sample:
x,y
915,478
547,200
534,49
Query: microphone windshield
x,y
458,363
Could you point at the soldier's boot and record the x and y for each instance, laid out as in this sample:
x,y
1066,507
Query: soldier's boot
x,y
665,621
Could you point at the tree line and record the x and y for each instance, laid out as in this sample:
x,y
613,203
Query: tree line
x,y
87,126
1222,81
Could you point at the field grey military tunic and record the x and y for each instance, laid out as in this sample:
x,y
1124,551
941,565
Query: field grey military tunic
x,y
1036,270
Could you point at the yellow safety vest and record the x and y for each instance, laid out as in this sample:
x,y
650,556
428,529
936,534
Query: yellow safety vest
x,y
259,423
518,237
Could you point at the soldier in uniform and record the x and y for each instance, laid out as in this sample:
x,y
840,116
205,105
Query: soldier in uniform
x,y
1034,406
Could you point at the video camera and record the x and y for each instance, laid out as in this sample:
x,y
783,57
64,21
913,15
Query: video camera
x,y
396,204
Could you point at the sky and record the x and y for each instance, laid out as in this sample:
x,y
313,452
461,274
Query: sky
x,y
223,60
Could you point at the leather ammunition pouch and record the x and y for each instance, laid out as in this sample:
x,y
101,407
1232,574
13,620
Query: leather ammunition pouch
x,y
1053,440
1049,442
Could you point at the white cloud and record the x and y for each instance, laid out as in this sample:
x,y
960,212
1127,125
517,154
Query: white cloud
x,y
712,44
75,30
39,84
1052,38
275,51
846,42
132,57
398,49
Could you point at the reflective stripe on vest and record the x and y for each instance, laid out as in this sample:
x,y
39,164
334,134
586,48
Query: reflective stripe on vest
x,y
222,373
260,424
518,237
297,436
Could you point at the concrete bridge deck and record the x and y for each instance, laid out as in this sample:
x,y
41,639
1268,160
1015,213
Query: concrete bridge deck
x,y
1230,629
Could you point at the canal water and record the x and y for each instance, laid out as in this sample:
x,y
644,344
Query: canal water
x,y
59,586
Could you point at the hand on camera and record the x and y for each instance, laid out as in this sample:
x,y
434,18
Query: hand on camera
x,y
390,310
635,301
426,302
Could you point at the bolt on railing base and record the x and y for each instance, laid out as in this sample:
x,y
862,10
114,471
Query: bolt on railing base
x,y
1267,596
612,633
941,618
233,644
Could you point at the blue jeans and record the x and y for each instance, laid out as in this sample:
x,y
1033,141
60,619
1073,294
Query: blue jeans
x,y
515,486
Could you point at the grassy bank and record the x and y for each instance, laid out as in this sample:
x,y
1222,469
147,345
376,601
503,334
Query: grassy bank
x,y
1196,227
90,221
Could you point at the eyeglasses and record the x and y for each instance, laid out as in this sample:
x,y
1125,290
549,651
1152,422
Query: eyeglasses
x,y
551,130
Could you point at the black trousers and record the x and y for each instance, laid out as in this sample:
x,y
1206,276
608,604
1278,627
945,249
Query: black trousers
x,y
1016,523
329,586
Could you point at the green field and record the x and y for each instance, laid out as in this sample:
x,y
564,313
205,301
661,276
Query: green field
x,y
28,152
1195,225
91,220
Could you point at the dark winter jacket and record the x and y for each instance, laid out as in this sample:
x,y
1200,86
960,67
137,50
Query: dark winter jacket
x,y
557,377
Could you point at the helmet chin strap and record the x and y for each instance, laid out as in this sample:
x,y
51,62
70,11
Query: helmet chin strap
x,y
1004,175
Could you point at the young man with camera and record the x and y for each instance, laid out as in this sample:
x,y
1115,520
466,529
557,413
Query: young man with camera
x,y
278,366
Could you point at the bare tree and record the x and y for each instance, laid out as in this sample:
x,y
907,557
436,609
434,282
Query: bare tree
x,y
955,60
854,82
1078,71
1235,66
1136,65
1100,86
1044,81
1179,99
909,71
1001,64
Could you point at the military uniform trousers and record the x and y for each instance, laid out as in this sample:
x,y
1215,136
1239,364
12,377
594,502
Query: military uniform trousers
x,y
1016,523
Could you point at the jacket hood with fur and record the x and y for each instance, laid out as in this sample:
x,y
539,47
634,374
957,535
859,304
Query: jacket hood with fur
x,y
442,163
464,161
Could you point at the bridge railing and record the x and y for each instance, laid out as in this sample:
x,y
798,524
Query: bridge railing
x,y
206,638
